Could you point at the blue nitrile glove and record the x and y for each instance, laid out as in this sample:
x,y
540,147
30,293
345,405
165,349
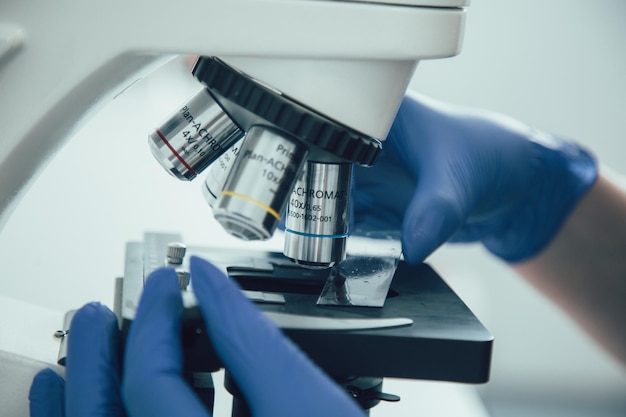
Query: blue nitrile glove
x,y
92,385
273,375
447,173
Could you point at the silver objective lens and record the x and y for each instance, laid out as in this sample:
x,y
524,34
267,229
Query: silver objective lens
x,y
218,173
316,226
193,137
259,185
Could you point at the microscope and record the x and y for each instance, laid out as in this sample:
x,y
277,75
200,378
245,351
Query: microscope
x,y
294,93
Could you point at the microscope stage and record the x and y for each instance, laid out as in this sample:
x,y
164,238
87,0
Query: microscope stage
x,y
439,339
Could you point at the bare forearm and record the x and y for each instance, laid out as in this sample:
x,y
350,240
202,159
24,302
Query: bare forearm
x,y
584,268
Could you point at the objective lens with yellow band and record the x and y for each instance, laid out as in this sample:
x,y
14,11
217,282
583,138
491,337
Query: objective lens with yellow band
x,y
257,189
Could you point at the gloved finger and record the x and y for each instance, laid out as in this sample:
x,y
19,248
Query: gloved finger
x,y
47,395
153,384
430,220
93,363
380,194
276,378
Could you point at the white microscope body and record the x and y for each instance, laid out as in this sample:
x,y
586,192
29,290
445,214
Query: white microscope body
x,y
61,61
350,61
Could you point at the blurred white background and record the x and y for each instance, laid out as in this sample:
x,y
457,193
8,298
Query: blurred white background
x,y
558,65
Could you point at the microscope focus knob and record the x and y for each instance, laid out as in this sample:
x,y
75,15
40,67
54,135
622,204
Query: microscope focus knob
x,y
175,253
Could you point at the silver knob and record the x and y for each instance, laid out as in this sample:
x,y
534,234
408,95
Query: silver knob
x,y
176,253
183,279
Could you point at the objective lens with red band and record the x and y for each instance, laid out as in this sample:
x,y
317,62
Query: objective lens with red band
x,y
193,137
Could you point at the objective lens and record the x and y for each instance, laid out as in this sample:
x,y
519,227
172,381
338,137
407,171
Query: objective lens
x,y
259,184
218,173
316,227
193,137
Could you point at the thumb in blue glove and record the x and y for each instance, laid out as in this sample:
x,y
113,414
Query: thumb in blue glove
x,y
452,174
275,377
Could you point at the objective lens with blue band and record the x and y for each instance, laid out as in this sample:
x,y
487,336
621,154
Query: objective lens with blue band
x,y
316,225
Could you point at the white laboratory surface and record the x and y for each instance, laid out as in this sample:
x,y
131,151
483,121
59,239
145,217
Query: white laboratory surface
x,y
558,65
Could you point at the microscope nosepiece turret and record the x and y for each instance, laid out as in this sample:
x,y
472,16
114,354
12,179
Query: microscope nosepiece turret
x,y
291,161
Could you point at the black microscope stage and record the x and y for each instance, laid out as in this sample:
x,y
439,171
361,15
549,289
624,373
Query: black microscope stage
x,y
444,341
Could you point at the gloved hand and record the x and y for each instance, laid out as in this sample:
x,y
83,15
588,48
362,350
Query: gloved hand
x,y
447,173
92,385
274,376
